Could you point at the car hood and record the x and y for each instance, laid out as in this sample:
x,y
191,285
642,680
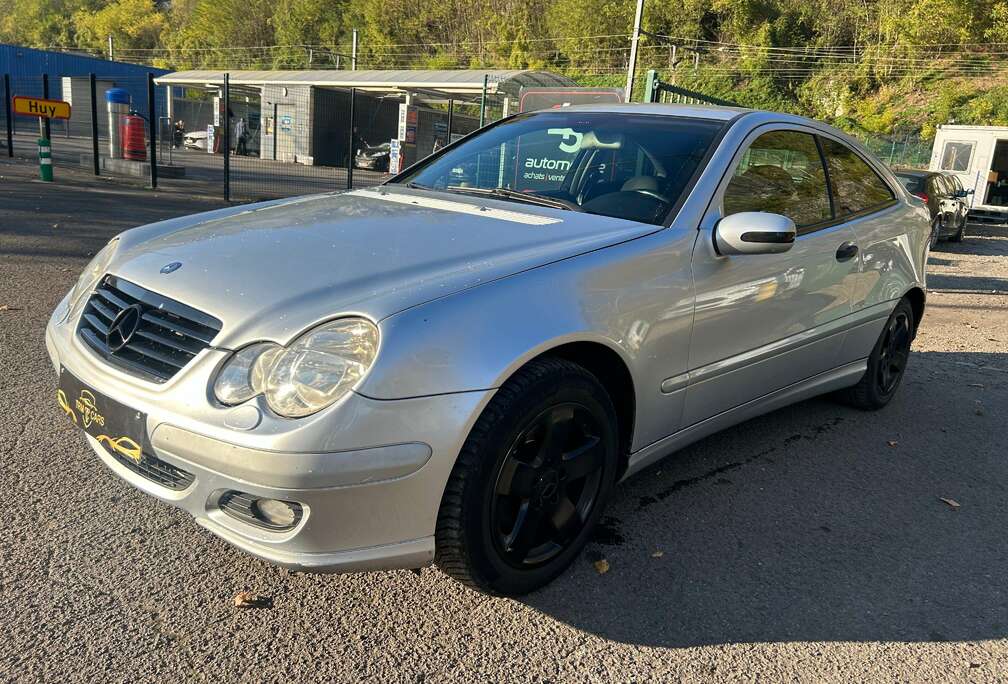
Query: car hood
x,y
269,271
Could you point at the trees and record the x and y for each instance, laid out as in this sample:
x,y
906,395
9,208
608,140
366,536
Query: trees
x,y
134,24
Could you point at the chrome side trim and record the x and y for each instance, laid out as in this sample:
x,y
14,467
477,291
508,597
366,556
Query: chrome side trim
x,y
675,383
838,378
787,344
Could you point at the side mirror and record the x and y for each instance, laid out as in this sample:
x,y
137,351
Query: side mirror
x,y
754,232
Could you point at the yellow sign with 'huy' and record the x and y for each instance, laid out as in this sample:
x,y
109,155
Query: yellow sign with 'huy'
x,y
36,106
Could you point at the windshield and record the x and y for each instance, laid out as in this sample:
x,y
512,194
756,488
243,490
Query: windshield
x,y
628,166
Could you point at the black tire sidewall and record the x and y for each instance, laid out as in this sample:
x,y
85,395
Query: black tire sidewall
x,y
876,395
549,390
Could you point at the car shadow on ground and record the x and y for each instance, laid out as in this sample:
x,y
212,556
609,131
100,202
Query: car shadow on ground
x,y
814,522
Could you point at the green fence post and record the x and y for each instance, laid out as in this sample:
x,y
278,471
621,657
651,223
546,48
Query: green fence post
x,y
45,158
651,86
483,99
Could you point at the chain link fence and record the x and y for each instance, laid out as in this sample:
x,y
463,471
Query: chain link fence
x,y
901,152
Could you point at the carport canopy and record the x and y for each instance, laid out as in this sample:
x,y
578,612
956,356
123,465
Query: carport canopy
x,y
427,85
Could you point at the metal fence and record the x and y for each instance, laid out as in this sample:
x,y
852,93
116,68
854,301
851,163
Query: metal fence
x,y
242,143
905,151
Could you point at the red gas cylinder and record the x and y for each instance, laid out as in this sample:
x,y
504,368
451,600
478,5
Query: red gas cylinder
x,y
133,138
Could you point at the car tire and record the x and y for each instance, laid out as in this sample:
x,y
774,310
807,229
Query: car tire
x,y
519,506
886,363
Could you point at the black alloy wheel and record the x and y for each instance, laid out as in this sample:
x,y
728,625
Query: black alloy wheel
x,y
531,480
894,352
887,363
546,485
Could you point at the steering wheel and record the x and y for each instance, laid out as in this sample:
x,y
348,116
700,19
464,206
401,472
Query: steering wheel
x,y
656,195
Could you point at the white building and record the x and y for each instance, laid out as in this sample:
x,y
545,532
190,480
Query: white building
x,y
978,156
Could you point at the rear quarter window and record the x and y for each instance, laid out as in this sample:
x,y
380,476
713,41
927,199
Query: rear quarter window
x,y
856,186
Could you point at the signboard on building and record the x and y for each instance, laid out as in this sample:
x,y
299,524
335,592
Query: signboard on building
x,y
408,115
46,109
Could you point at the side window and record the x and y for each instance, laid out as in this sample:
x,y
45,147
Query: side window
x,y
781,173
956,156
856,187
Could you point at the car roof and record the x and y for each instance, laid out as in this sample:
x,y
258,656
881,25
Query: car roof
x,y
912,173
693,111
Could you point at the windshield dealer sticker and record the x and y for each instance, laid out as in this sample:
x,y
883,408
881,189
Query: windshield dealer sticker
x,y
460,208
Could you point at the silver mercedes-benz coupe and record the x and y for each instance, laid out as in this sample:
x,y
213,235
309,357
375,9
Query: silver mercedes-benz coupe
x,y
459,365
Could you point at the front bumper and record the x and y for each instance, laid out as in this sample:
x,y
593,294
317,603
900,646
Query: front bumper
x,y
368,473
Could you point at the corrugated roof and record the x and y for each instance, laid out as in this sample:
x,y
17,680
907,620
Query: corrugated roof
x,y
460,81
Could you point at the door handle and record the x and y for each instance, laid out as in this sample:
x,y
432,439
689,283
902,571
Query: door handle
x,y
846,251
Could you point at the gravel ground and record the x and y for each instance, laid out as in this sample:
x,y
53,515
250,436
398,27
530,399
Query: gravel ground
x,y
808,545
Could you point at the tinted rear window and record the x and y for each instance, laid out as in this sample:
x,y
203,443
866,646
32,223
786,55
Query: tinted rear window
x,y
856,187
912,184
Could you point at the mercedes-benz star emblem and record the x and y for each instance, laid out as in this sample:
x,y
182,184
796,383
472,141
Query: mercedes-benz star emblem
x,y
172,267
123,327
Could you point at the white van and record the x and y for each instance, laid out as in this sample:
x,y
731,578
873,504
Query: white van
x,y
978,157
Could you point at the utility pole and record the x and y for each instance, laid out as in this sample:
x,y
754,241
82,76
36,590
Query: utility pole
x,y
111,49
632,66
353,52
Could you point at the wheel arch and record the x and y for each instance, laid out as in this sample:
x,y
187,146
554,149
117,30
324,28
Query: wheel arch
x,y
612,371
917,299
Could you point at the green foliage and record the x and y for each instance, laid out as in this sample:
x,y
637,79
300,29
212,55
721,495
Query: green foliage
x,y
872,67
132,23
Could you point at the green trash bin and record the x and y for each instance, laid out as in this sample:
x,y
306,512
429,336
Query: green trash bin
x,y
45,159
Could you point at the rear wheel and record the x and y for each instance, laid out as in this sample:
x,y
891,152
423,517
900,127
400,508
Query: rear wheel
x,y
936,228
530,482
886,363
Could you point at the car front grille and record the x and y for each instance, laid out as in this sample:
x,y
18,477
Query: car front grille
x,y
156,470
169,334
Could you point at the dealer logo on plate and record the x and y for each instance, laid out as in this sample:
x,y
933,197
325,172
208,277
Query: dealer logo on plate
x,y
89,412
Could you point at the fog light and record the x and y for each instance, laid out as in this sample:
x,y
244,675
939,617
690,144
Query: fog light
x,y
269,514
276,513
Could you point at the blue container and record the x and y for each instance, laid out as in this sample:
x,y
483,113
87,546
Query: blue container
x,y
117,96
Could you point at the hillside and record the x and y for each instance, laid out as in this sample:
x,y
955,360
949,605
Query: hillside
x,y
885,71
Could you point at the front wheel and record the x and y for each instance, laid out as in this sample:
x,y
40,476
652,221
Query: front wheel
x,y
886,363
531,480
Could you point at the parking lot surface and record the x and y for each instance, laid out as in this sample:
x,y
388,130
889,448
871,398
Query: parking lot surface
x,y
810,544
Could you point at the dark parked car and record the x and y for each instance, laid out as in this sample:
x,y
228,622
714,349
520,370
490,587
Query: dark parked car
x,y
373,157
946,200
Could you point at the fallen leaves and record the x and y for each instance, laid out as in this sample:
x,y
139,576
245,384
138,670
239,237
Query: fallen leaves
x,y
8,307
658,553
246,599
951,503
601,566
892,442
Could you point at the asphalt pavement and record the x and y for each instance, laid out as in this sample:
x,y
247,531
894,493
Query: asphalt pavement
x,y
815,543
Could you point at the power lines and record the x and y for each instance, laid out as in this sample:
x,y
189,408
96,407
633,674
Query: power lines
x,y
595,54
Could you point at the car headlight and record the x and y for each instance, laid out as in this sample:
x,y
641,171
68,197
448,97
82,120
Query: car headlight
x,y
92,272
314,371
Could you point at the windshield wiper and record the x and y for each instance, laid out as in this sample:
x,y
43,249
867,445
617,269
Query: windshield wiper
x,y
515,196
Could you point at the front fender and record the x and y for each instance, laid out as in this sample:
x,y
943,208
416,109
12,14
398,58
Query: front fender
x,y
476,339
635,298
